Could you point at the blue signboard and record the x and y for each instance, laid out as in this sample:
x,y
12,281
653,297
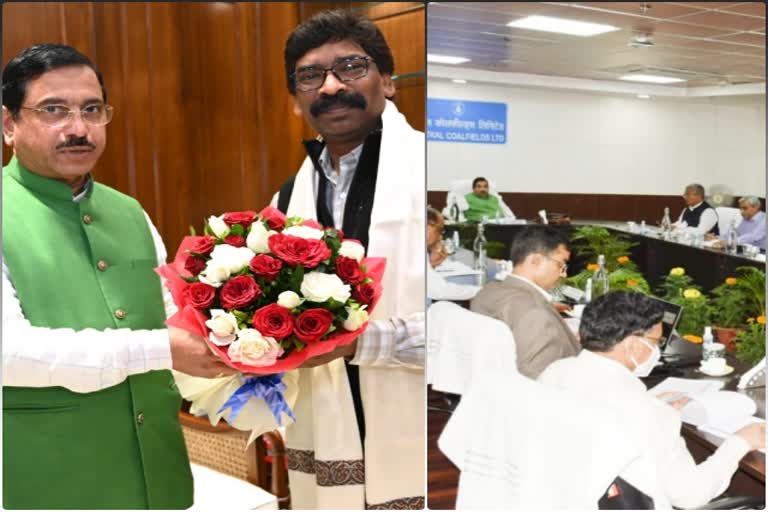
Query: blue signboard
x,y
478,122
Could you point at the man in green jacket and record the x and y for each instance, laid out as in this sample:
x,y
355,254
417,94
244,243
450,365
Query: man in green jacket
x,y
89,404
484,204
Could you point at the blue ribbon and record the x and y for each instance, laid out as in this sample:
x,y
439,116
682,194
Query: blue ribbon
x,y
267,387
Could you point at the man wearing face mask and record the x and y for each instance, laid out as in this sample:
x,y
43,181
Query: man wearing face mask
x,y
619,334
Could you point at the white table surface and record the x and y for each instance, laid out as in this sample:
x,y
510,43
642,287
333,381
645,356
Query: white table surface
x,y
217,491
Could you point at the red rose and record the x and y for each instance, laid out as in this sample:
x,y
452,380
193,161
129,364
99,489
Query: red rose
x,y
274,217
273,320
239,292
243,218
203,245
312,324
363,293
294,250
194,265
312,224
265,266
235,240
348,269
200,295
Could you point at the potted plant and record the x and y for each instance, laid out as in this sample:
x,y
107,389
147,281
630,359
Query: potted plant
x,y
730,306
750,342
679,288
590,241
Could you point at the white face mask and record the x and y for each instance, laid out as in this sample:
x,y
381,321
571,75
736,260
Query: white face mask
x,y
644,369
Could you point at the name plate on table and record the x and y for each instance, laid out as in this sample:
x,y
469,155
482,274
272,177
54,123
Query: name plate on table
x,y
474,122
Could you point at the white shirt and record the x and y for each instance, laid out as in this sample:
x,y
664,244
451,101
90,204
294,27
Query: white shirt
x,y
339,182
438,288
82,361
675,478
707,221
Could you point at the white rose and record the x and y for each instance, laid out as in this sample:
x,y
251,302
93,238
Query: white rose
x,y
352,250
319,287
257,238
223,327
253,349
215,273
304,232
289,299
218,226
356,319
231,257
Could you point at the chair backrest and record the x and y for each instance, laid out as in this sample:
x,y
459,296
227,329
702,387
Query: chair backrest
x,y
455,334
725,215
520,444
226,450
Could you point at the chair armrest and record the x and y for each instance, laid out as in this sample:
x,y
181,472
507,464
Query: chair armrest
x,y
736,503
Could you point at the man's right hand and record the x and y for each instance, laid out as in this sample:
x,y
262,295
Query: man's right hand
x,y
754,434
191,355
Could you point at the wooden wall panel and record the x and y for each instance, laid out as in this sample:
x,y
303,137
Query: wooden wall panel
x,y
203,120
620,207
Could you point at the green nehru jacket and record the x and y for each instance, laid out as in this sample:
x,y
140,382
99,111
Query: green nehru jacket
x,y
478,207
117,448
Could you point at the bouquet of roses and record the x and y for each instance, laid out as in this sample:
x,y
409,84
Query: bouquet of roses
x,y
268,292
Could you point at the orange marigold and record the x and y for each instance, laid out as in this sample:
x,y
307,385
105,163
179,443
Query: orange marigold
x,y
731,280
622,259
632,282
693,338
592,267
761,319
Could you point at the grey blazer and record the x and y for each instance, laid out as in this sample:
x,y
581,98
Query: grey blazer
x,y
541,336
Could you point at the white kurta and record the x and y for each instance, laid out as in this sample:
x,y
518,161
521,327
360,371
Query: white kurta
x,y
327,468
675,478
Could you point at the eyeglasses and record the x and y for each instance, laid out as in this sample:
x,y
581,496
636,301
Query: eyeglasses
x,y
59,115
563,265
345,70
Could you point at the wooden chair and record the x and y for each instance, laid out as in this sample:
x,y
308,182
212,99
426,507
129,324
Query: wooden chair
x,y
223,448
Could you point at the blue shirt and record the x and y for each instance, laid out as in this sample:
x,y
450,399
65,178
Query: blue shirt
x,y
752,231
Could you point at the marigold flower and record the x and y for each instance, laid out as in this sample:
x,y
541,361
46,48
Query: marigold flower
x,y
693,338
592,267
761,319
691,293
632,282
677,271
731,280
622,259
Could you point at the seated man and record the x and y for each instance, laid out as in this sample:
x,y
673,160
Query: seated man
x,y
698,214
539,255
484,204
437,286
752,228
619,334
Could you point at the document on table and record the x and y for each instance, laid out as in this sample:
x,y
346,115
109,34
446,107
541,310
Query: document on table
x,y
686,387
451,268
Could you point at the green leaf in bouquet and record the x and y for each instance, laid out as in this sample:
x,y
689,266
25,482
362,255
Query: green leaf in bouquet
x,y
333,305
330,330
293,221
366,280
299,345
192,230
364,268
241,316
297,277
237,229
189,279
207,230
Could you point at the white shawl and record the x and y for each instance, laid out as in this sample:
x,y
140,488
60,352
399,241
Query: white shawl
x,y
326,458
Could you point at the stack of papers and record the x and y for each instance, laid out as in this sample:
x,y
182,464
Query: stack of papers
x,y
717,412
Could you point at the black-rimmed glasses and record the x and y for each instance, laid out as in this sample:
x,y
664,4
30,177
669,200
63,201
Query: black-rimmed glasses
x,y
345,70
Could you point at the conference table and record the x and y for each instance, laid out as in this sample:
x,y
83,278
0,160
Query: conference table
x,y
749,479
654,256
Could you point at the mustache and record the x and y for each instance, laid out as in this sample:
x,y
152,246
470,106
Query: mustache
x,y
325,103
77,142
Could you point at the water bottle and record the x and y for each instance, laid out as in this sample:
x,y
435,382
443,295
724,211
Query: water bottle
x,y
732,240
588,291
708,339
456,240
454,211
479,249
642,227
666,224
600,282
